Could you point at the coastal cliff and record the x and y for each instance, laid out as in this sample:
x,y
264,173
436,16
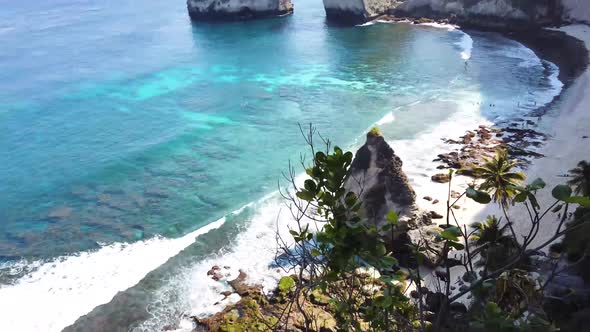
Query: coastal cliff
x,y
487,14
577,11
356,11
237,9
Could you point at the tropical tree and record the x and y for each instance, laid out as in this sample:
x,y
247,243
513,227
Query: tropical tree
x,y
581,178
499,177
492,240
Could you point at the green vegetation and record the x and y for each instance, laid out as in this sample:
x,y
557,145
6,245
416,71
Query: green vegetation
x,y
581,178
375,131
499,178
347,276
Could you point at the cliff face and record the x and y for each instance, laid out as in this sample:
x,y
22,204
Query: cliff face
x,y
356,11
376,175
576,10
237,9
487,14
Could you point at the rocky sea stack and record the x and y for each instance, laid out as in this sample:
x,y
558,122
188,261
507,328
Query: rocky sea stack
x,y
356,11
376,175
227,10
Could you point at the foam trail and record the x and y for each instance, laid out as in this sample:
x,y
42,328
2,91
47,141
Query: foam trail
x,y
387,118
466,45
58,292
448,27
253,252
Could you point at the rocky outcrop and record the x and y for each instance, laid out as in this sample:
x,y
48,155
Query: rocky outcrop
x,y
487,14
376,175
576,11
237,9
356,11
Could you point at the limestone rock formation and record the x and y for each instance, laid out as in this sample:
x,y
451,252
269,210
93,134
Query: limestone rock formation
x,y
356,11
376,175
576,11
237,9
487,14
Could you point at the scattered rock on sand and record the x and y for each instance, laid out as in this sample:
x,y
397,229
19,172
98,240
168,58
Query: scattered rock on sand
x,y
435,215
441,178
428,198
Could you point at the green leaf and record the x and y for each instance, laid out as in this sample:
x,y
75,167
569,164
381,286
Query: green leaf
x,y
456,245
583,201
383,301
451,233
305,195
389,261
478,196
392,217
315,252
381,251
537,184
286,283
310,186
521,197
350,199
320,157
561,192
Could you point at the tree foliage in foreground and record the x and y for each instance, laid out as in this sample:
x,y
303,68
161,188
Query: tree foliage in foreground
x,y
353,265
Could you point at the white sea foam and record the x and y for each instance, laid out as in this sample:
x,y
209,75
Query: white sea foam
x,y
387,118
58,292
448,27
466,44
253,252
367,24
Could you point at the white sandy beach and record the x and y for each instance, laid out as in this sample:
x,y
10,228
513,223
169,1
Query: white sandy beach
x,y
565,148
567,145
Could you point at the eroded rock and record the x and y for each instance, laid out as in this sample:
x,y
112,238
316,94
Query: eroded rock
x,y
237,9
376,175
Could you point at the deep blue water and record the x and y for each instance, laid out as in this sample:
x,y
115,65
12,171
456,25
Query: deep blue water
x,y
121,120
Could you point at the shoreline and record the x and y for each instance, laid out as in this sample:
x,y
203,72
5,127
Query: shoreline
x,y
564,121
568,143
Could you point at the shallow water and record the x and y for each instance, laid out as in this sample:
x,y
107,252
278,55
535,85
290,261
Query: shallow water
x,y
126,129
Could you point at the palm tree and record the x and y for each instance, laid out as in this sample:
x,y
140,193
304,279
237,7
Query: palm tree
x,y
499,177
581,178
492,241
489,232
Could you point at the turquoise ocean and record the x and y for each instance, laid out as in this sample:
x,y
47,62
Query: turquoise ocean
x,y
138,149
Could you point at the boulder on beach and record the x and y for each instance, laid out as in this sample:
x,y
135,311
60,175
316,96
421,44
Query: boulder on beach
x,y
441,178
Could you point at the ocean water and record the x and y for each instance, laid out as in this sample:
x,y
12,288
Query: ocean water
x,y
138,149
